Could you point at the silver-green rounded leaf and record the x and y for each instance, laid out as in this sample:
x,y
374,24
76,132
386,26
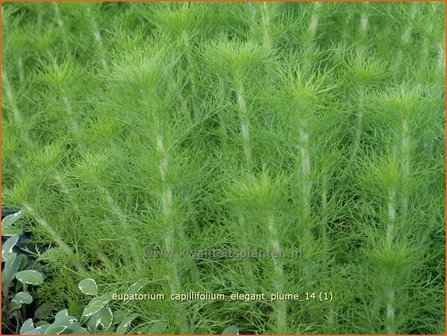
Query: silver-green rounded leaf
x,y
11,219
23,298
93,322
8,245
96,304
125,323
14,306
135,288
26,327
30,277
105,317
88,286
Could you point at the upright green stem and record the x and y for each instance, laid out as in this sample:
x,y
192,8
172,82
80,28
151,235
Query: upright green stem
x,y
358,126
69,111
312,28
222,120
191,73
17,115
16,112
346,33
248,270
390,312
406,166
166,196
170,237
97,37
166,202
324,203
390,240
21,70
306,184
266,22
314,20
281,306
405,40
391,207
441,55
60,23
363,28
305,192
243,119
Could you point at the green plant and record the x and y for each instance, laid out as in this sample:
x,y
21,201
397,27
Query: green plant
x,y
96,316
134,130
16,277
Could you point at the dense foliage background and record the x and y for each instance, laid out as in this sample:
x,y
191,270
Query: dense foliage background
x,y
319,127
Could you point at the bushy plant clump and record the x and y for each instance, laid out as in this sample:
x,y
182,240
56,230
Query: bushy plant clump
x,y
130,128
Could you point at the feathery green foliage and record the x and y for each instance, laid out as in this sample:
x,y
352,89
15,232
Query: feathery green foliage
x,y
310,128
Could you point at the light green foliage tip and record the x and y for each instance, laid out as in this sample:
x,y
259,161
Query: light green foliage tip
x,y
317,129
